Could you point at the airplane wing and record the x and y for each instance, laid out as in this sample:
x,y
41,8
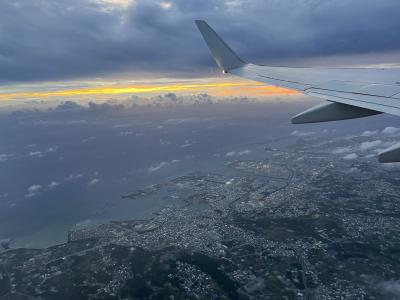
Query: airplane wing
x,y
350,92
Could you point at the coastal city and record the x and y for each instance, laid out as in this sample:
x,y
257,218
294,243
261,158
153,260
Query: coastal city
x,y
302,222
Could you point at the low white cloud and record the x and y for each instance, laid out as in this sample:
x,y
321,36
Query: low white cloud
x,y
229,182
370,145
43,153
127,125
53,185
327,131
387,146
351,156
89,139
74,177
125,133
62,123
36,153
33,190
84,224
158,167
163,164
369,133
244,152
4,157
93,181
391,130
342,150
165,5
164,142
240,153
392,145
178,121
187,144
302,133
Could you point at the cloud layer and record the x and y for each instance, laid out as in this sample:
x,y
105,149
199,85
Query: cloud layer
x,y
54,39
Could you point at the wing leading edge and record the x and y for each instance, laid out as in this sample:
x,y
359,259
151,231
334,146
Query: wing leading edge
x,y
350,92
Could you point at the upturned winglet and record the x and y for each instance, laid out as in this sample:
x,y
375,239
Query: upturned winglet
x,y
224,56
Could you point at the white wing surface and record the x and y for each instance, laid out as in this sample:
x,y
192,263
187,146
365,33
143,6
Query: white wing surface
x,y
350,92
374,89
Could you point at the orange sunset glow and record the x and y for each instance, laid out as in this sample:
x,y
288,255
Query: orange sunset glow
x,y
218,89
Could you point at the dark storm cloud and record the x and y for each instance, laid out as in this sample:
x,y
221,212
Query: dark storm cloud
x,y
53,39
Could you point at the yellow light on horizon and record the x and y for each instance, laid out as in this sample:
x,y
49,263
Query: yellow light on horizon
x,y
221,89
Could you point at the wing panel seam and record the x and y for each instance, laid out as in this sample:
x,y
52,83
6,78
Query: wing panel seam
x,y
341,97
354,93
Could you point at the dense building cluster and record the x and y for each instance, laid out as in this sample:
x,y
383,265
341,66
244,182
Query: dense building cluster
x,y
301,223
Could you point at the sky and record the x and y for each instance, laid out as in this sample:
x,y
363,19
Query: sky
x,y
64,49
